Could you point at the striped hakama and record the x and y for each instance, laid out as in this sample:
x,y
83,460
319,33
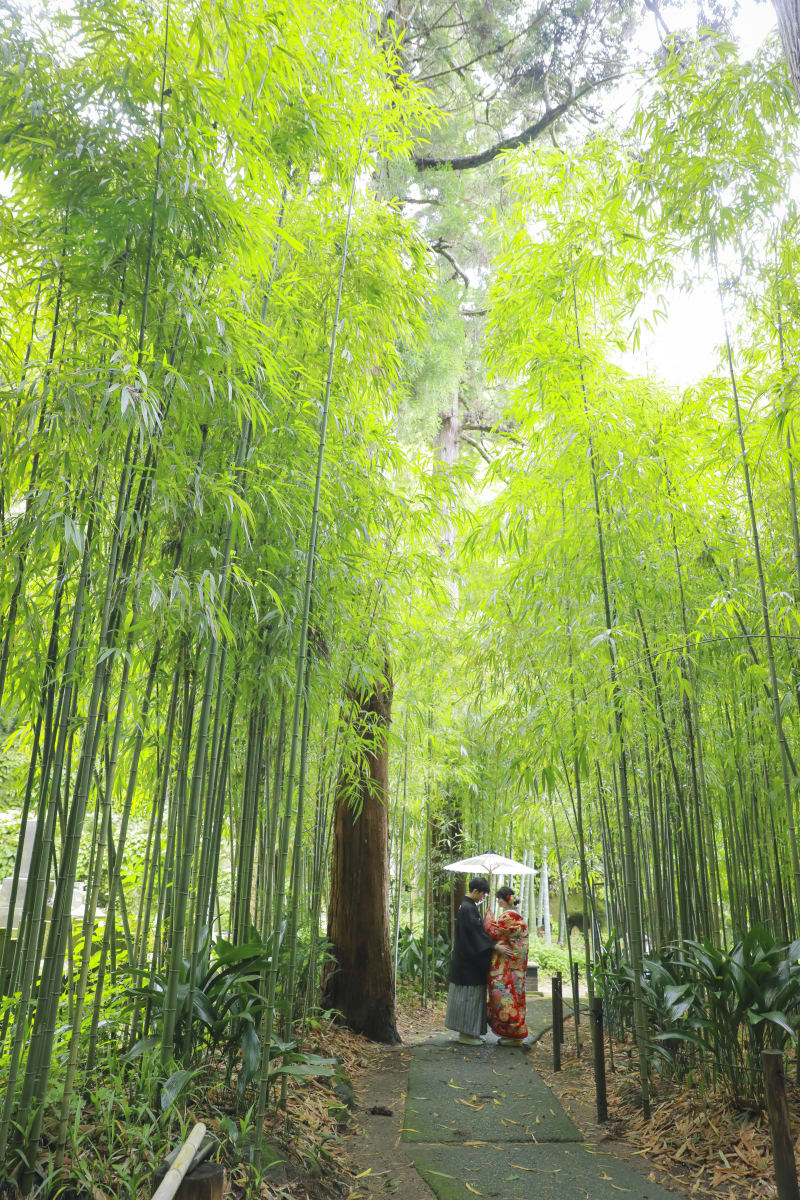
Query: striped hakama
x,y
466,1009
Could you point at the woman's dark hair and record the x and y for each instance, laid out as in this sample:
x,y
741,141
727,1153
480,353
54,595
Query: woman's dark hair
x,y
479,884
505,893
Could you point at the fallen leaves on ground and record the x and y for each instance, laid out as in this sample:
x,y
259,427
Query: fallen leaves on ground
x,y
724,1150
707,1145
314,1121
309,1132
415,1023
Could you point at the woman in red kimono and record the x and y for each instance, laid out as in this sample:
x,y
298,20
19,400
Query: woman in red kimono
x,y
506,1007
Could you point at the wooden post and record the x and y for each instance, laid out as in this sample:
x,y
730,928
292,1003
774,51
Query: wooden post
x,y
598,1046
555,985
560,1007
778,1109
576,1003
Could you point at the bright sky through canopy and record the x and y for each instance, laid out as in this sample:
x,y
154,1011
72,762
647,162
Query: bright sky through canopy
x,y
684,347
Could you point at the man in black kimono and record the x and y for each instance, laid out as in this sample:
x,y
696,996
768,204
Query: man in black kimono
x,y
472,950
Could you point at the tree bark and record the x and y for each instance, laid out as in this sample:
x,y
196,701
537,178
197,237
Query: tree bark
x,y
360,984
788,12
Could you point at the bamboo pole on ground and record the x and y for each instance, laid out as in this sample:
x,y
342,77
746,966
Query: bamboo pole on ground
x,y
174,1176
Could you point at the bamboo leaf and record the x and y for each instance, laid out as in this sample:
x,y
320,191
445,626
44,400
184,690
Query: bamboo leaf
x,y
174,1085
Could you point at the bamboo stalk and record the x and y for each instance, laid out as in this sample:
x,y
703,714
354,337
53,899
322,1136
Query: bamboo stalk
x,y
198,778
634,912
765,617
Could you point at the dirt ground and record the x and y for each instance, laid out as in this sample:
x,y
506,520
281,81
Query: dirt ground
x,y
379,1158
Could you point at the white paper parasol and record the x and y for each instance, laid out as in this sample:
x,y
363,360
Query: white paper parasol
x,y
491,864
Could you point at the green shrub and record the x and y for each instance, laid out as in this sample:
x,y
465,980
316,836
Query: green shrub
x,y
554,958
409,956
14,755
9,835
135,849
228,1005
712,1008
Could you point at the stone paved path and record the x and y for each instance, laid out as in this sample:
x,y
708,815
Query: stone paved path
x,y
481,1121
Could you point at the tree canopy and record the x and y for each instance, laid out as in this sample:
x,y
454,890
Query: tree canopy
x,y
336,494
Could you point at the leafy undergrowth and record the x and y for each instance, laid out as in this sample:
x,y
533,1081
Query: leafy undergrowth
x,y
705,1144
119,1139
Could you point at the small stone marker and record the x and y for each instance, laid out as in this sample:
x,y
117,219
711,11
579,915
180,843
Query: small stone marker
x,y
532,980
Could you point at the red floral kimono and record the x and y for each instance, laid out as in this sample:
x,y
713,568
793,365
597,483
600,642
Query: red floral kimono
x,y
506,1007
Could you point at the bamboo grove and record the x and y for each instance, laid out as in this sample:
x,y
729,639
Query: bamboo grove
x,y
238,581
202,323
648,544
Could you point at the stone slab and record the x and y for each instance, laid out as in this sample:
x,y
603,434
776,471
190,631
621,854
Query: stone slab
x,y
480,1093
531,1172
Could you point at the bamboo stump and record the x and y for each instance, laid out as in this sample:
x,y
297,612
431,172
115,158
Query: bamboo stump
x,y
186,1176
205,1182
778,1109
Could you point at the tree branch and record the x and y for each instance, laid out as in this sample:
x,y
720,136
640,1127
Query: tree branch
x,y
476,446
486,53
477,422
661,25
466,162
440,248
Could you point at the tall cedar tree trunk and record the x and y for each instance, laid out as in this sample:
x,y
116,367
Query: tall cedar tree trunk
x,y
361,984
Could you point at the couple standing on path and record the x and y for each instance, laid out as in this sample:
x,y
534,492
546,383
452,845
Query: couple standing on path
x,y
492,951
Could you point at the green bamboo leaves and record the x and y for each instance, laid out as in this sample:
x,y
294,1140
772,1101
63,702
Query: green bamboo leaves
x,y
619,528
160,424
